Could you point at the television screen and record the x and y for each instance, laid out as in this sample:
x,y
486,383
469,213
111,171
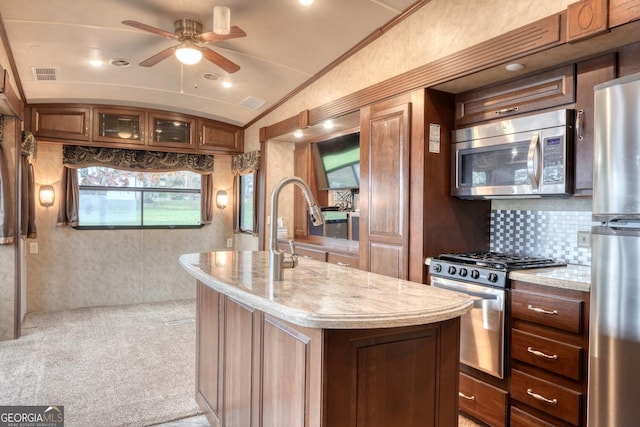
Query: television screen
x,y
337,162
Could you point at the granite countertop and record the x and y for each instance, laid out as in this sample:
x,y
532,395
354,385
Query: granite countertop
x,y
575,277
323,295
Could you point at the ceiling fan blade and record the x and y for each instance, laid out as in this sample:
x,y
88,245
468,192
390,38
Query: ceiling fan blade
x,y
149,28
220,61
160,56
213,37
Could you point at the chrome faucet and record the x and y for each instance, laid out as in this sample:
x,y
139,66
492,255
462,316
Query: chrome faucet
x,y
277,260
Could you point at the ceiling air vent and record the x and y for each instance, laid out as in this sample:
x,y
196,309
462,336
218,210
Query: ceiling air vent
x,y
45,73
252,103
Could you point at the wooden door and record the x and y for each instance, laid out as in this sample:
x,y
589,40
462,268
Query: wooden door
x,y
384,186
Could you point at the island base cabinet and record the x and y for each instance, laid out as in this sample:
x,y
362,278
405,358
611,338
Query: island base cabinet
x,y
254,369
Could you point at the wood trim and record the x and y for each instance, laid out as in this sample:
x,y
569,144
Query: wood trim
x,y
531,38
12,62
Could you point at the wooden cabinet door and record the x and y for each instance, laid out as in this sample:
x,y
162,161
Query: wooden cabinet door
x,y
629,59
119,126
61,123
590,73
208,351
172,131
384,189
218,137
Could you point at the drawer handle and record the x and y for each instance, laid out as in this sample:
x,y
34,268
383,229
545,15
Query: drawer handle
x,y
464,396
342,264
541,354
541,398
307,256
542,310
507,110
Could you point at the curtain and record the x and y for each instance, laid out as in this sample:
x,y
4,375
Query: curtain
x,y
6,216
28,187
245,163
75,157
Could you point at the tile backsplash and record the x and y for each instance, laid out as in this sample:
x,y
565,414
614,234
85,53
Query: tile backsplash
x,y
529,230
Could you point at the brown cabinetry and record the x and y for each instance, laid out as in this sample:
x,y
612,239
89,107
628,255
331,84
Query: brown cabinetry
x,y
302,167
549,346
536,92
218,137
70,122
135,128
119,126
586,18
257,370
589,74
483,401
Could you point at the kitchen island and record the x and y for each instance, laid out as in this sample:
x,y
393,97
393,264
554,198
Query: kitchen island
x,y
326,346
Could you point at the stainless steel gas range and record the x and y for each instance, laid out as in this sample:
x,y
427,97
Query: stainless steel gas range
x,y
483,276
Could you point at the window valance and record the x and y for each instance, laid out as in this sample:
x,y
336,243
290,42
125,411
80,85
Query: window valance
x,y
245,163
75,156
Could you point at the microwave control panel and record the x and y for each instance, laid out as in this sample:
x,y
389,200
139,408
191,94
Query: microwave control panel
x,y
553,160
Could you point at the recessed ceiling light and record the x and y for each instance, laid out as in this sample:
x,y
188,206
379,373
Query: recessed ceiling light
x,y
514,66
306,2
328,124
120,62
298,133
96,63
227,84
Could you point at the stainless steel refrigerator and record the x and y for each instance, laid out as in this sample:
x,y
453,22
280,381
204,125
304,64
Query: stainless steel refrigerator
x,y
614,346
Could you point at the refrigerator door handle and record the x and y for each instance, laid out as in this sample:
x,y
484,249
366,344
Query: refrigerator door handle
x,y
533,161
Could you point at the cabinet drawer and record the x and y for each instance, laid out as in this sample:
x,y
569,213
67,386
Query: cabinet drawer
x,y
548,397
482,401
555,356
520,418
343,259
320,255
556,312
544,90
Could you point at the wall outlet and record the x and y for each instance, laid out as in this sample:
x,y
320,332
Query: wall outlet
x,y
229,243
584,239
33,247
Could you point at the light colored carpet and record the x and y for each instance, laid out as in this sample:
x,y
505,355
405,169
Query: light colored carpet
x,y
109,366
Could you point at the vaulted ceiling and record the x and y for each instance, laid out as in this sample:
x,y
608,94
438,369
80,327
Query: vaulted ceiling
x,y
53,42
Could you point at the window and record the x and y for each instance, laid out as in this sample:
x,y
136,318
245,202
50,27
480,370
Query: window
x,y
246,203
112,198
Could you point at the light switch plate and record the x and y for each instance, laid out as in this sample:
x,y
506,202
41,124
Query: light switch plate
x,y
584,239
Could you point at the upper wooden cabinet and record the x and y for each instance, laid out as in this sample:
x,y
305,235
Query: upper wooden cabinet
x,y
219,137
586,18
69,123
623,11
590,73
130,127
119,126
542,90
172,130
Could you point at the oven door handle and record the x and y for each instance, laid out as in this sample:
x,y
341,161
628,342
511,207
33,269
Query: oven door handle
x,y
481,295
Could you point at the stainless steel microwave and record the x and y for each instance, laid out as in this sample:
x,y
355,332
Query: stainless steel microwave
x,y
529,156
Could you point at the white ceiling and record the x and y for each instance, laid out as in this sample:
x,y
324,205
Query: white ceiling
x,y
286,44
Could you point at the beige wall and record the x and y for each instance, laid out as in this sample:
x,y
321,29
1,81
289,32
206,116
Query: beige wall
x,y
79,268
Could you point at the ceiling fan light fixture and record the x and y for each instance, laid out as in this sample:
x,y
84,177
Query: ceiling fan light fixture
x,y
188,54
221,20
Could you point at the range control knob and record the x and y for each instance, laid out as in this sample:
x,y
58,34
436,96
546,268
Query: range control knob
x,y
452,270
463,272
475,274
492,277
437,268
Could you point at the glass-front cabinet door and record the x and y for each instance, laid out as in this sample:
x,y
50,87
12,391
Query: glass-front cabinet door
x,y
121,126
172,130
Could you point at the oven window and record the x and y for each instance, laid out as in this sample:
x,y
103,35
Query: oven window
x,y
495,165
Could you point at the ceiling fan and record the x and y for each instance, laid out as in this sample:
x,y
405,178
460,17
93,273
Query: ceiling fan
x,y
192,40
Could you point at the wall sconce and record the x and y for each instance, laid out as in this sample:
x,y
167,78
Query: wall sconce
x,y
222,200
46,195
